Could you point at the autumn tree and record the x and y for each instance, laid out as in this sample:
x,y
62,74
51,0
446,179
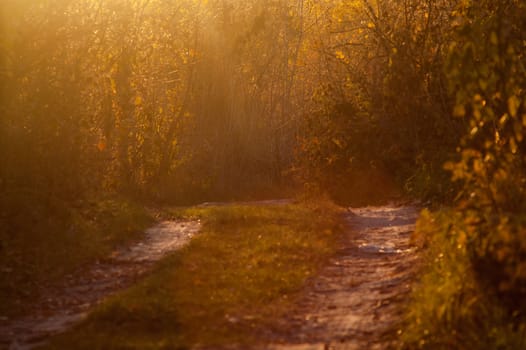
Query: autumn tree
x,y
387,89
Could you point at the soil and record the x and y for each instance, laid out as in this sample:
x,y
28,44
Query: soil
x,y
356,300
67,303
353,303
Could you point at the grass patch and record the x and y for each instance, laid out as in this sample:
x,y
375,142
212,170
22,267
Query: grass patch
x,y
241,272
448,308
43,239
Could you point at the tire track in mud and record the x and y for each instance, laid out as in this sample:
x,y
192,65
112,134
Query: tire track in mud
x,y
354,302
69,302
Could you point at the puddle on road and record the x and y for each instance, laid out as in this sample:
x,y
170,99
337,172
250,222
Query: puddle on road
x,y
69,302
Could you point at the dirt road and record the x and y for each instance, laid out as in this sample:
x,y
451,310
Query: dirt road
x,y
65,304
351,304
355,302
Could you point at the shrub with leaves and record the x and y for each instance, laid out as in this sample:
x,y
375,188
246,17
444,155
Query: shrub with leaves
x,y
488,73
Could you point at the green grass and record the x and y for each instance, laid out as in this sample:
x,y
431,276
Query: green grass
x,y
237,276
44,239
448,308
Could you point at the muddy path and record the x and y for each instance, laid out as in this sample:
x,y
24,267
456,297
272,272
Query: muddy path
x,y
69,301
352,304
355,301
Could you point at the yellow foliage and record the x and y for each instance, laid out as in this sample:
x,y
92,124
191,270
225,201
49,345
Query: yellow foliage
x,y
340,55
513,105
101,145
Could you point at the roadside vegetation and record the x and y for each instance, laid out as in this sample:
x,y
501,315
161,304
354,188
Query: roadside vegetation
x,y
451,307
243,270
473,284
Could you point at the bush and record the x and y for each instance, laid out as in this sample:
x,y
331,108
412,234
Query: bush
x,y
488,75
449,308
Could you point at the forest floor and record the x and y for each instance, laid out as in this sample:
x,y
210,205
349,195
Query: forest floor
x,y
354,302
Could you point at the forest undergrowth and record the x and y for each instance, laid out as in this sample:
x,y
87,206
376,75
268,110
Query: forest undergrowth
x,y
450,307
